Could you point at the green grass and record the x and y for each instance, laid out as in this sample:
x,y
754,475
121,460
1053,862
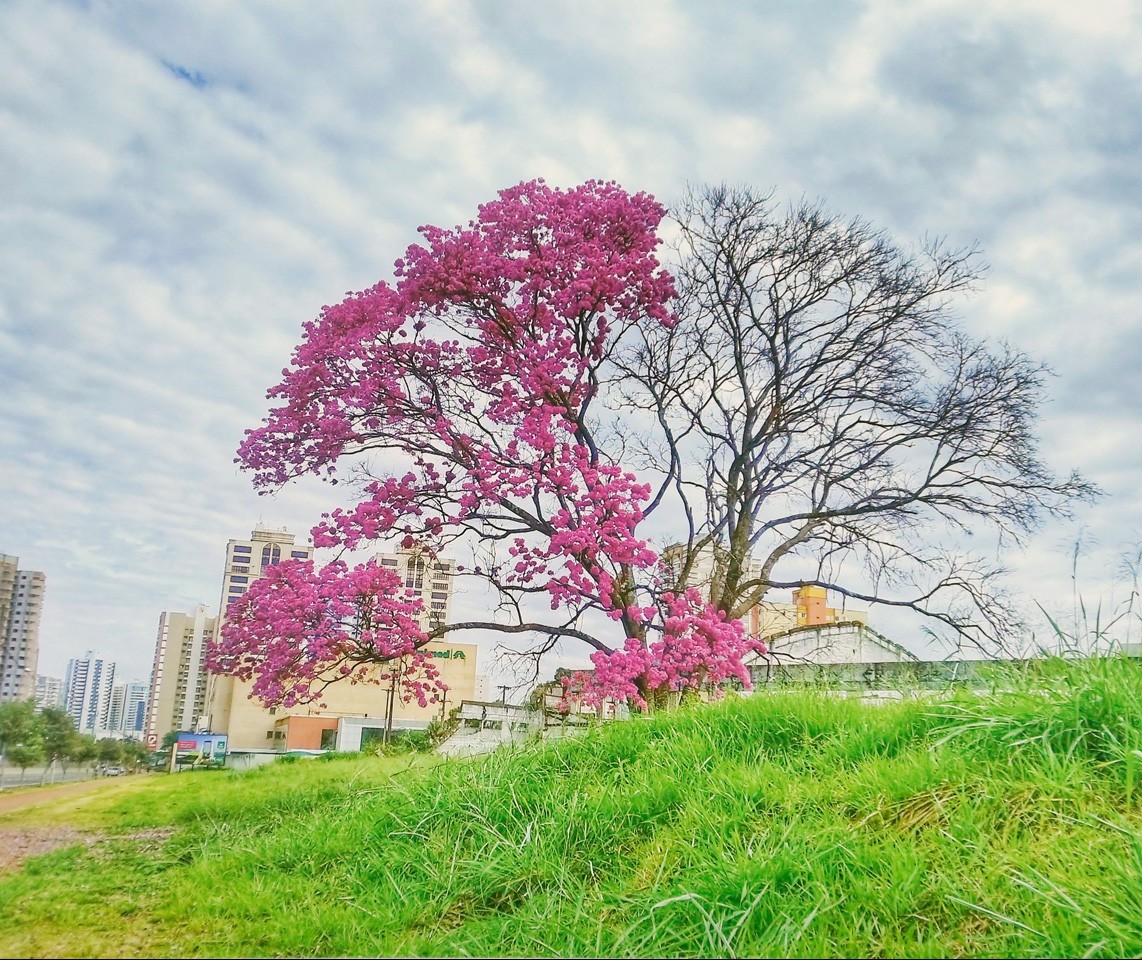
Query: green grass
x,y
791,824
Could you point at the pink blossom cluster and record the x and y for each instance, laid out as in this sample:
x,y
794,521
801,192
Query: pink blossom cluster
x,y
698,646
482,367
297,629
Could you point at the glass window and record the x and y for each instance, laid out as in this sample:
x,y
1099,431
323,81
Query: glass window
x,y
239,579
415,578
300,554
238,549
271,553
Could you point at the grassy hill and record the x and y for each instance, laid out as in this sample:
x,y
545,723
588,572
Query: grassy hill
x,y
784,824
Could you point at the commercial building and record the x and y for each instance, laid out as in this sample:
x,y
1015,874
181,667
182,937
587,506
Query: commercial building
x,y
349,714
809,609
87,693
21,603
180,683
769,617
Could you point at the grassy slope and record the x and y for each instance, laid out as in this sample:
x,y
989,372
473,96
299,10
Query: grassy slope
x,y
783,825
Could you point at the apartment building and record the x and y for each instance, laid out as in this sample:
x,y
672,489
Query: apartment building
x,y
21,603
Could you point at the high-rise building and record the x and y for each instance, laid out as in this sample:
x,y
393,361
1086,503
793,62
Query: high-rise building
x,y
87,693
429,580
128,713
179,680
246,560
21,602
49,692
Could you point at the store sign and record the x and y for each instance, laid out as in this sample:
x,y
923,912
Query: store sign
x,y
449,654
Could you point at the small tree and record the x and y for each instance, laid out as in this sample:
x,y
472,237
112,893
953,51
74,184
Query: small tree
x,y
109,751
26,753
19,729
59,736
83,750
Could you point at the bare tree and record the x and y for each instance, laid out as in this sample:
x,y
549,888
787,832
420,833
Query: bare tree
x,y
821,419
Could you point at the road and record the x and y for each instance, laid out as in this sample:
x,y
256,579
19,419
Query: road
x,y
11,776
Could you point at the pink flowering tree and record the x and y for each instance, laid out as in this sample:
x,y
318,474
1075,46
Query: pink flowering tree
x,y
794,405
488,371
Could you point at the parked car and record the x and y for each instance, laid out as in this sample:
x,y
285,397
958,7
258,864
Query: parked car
x,y
113,771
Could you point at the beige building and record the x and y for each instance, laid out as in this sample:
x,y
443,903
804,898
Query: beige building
x,y
809,609
351,713
178,675
21,603
348,710
180,683
246,560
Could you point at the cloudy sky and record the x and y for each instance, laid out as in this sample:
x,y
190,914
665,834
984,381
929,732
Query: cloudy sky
x,y
182,185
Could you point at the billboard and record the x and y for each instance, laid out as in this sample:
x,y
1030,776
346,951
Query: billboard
x,y
200,749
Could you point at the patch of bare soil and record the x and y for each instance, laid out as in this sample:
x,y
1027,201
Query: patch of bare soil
x,y
19,843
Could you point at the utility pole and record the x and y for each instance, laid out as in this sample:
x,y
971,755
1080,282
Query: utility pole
x,y
503,688
389,707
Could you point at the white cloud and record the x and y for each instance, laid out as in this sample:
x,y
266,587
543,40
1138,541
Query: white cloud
x,y
189,183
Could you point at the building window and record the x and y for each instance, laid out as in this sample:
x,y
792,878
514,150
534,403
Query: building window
x,y
239,579
414,580
271,553
299,554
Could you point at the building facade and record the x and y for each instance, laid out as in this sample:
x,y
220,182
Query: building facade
x,y
177,694
769,617
809,609
87,693
246,561
21,603
49,692
128,714
350,714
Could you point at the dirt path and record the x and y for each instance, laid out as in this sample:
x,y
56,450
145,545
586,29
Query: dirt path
x,y
17,843
19,799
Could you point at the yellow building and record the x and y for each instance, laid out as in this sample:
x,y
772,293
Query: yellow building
x,y
808,609
352,712
349,709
